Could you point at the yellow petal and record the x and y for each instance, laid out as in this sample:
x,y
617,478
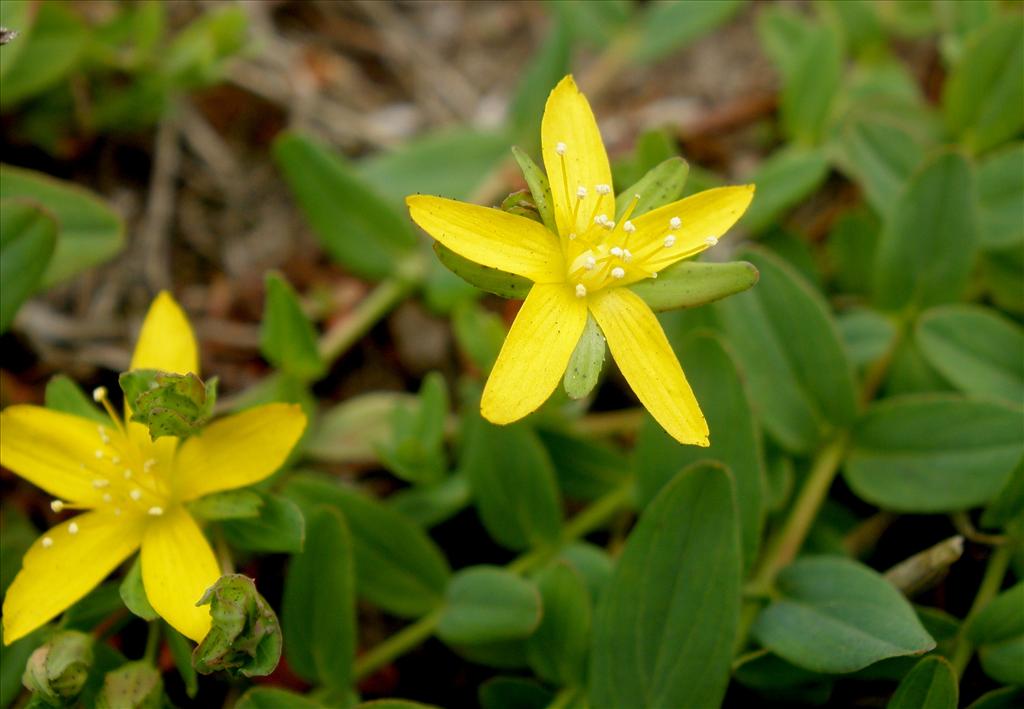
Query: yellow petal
x,y
57,573
55,451
568,120
648,363
703,219
166,341
238,450
177,568
491,237
535,354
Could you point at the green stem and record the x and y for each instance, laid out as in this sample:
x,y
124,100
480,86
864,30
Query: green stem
x,y
998,563
415,634
339,338
876,373
786,543
152,642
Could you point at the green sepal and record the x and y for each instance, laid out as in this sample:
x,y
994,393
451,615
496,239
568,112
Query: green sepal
x,y
245,638
585,364
169,404
507,285
521,204
57,671
230,504
136,685
133,593
663,184
537,181
691,283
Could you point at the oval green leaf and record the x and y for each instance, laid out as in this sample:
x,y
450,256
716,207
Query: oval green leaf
x,y
557,651
998,631
932,684
487,604
287,337
28,237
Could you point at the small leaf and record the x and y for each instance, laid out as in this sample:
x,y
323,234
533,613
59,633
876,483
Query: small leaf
x,y
429,505
1001,198
938,453
549,63
181,651
89,232
479,333
277,526
976,349
1002,698
486,604
351,431
584,368
398,567
133,593
998,631
688,284
231,504
514,693
1008,504
857,616
928,245
932,684
661,185
810,88
415,451
318,610
784,180
63,394
586,468
669,643
665,27
287,337
274,698
557,650
28,236
513,483
52,47
358,228
507,285
244,637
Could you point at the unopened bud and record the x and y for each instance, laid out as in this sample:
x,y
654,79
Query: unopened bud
x,y
245,637
137,685
56,671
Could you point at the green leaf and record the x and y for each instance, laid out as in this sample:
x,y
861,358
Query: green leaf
x,y
415,451
810,88
932,684
63,394
486,604
1008,504
52,43
851,251
513,693
998,631
451,163
1004,277
835,616
479,333
549,64
398,568
287,337
651,149
928,245
245,638
665,27
181,651
196,56
557,651
784,180
1001,198
357,227
13,658
15,15
789,349
351,431
318,608
507,285
278,527
867,334
89,232
669,643
133,593
735,439
586,468
540,189
856,21
983,98
976,349
28,236
429,505
783,32
1003,698
661,185
274,698
584,368
688,284
934,453
393,704
513,483
230,504
593,24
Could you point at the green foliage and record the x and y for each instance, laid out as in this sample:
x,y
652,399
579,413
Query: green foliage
x,y
28,235
287,337
932,684
487,605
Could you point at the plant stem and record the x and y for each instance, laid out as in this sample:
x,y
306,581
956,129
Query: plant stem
x,y
152,642
989,588
413,635
339,338
786,543
875,374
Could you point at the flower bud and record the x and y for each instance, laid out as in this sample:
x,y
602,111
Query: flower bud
x,y
245,638
57,670
136,685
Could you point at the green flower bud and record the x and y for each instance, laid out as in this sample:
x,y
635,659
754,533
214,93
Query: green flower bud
x,y
137,685
57,670
169,404
245,638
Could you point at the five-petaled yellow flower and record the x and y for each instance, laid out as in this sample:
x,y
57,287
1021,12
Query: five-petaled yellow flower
x,y
133,491
585,268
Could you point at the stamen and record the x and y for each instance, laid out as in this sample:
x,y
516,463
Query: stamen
x,y
127,474
675,222
628,227
711,240
98,454
107,497
99,483
57,505
626,255
603,189
601,219
618,272
148,465
560,148
99,394
117,511
103,434
590,263
581,192
155,511
135,494
616,251
670,241
47,542
608,224
572,236
581,290
73,528
115,459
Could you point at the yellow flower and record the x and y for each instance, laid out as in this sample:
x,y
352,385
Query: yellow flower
x,y
583,268
133,490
